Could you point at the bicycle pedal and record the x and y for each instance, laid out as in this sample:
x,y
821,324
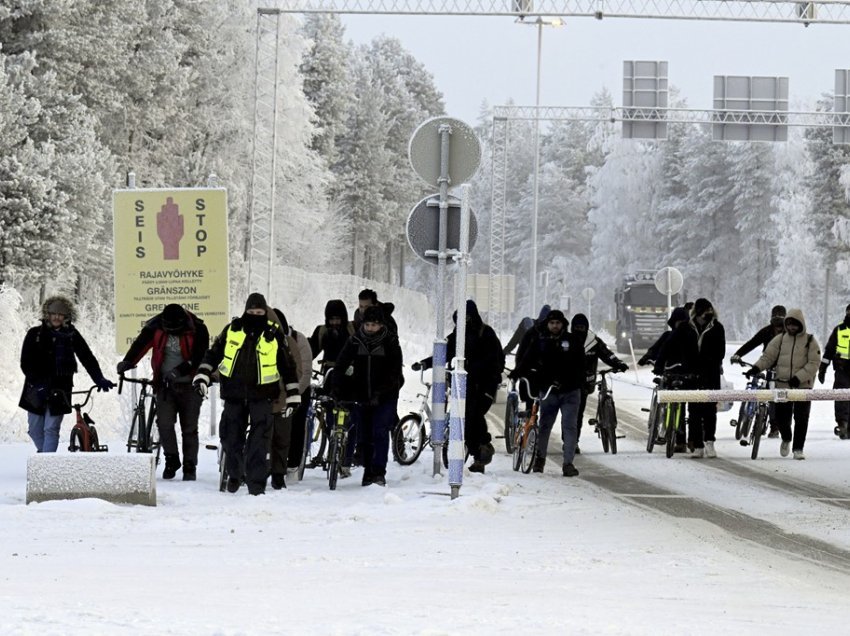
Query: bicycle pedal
x,y
645,410
744,442
733,423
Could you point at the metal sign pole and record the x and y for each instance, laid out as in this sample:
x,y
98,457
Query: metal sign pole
x,y
458,424
438,407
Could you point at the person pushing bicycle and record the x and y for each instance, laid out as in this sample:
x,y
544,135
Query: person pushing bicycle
x,y
252,356
177,340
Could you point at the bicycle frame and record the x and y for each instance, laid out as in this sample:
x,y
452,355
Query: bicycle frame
x,y
525,435
338,440
144,418
84,432
605,423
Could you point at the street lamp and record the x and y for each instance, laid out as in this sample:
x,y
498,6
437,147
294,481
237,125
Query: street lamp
x,y
539,22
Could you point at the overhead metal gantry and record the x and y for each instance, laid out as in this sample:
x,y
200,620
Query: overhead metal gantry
x,y
826,12
261,251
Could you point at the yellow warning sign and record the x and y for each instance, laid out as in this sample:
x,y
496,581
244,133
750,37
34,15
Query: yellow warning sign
x,y
170,247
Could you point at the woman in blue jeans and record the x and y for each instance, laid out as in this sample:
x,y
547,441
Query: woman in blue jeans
x,y
49,361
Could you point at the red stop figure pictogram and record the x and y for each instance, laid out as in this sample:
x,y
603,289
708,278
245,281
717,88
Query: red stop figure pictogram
x,y
169,228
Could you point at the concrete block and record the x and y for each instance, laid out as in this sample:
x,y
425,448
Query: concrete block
x,y
119,477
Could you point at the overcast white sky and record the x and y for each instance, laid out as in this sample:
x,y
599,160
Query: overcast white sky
x,y
493,59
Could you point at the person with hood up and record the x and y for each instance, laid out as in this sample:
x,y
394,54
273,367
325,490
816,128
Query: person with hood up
x,y
594,350
252,356
484,363
329,338
796,356
556,358
287,437
537,330
523,328
372,362
178,340
369,298
762,337
837,352
49,361
698,347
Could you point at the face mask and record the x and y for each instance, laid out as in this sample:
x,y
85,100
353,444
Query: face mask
x,y
252,322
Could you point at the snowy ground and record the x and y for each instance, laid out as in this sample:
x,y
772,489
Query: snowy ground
x,y
736,545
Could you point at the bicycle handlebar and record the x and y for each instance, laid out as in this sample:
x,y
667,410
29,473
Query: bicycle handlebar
x,y
528,389
142,381
84,402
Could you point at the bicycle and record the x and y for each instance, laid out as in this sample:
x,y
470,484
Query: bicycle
x,y
513,414
605,423
144,435
657,413
84,433
338,440
755,427
674,412
315,433
412,433
527,432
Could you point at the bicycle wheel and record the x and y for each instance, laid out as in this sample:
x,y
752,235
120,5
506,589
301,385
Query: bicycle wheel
x,y
319,439
94,443
511,410
76,440
408,439
602,431
134,435
519,441
673,414
530,450
609,422
653,424
758,431
333,462
739,423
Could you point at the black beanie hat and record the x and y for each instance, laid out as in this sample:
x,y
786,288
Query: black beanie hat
x,y
557,314
581,319
373,314
174,318
847,308
256,301
778,310
701,306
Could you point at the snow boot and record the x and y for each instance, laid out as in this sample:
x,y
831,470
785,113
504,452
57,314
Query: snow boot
x,y
539,464
189,472
172,464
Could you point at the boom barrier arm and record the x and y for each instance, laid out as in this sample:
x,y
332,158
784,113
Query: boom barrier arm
x,y
762,395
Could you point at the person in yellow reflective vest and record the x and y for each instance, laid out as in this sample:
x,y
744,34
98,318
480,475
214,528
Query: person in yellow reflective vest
x,y
253,360
837,352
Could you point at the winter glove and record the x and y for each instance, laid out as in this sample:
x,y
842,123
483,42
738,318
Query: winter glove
x,y
644,360
794,382
288,412
123,366
171,377
416,366
822,372
752,372
620,368
201,384
735,359
104,385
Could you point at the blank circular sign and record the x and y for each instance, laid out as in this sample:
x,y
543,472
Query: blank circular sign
x,y
425,148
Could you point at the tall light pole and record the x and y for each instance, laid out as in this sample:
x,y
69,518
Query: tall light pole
x,y
539,23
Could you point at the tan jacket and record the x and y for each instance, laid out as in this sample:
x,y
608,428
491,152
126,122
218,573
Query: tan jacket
x,y
797,355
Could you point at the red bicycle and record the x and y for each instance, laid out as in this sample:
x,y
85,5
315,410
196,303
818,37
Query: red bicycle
x,y
84,433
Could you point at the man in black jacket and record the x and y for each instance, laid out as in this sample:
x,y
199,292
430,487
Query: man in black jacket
x,y
178,340
698,348
369,298
762,337
49,361
556,357
252,356
329,338
372,361
484,363
595,349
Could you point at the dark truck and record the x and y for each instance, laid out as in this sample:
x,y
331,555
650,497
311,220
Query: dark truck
x,y
641,310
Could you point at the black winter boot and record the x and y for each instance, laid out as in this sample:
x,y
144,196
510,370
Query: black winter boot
x,y
172,464
189,472
485,453
278,481
539,464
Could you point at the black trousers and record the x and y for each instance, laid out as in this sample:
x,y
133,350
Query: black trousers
x,y
800,412
248,458
702,423
184,402
842,409
296,438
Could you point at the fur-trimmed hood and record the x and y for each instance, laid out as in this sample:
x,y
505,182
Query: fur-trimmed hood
x,y
69,309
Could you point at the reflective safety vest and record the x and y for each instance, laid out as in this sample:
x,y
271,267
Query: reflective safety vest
x,y
842,347
266,355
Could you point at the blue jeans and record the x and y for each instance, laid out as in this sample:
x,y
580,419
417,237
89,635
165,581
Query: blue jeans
x,y
44,430
568,404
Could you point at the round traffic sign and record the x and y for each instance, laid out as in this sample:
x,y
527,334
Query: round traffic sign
x,y
423,227
669,280
425,146
588,293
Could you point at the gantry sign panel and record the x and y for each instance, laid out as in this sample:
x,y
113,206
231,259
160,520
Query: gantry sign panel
x,y
645,97
742,94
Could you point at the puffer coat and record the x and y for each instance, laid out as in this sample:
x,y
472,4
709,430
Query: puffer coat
x,y
797,355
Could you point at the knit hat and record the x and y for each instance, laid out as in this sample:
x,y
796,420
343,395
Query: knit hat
x,y
557,314
779,310
580,319
174,318
373,314
679,314
701,306
256,301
